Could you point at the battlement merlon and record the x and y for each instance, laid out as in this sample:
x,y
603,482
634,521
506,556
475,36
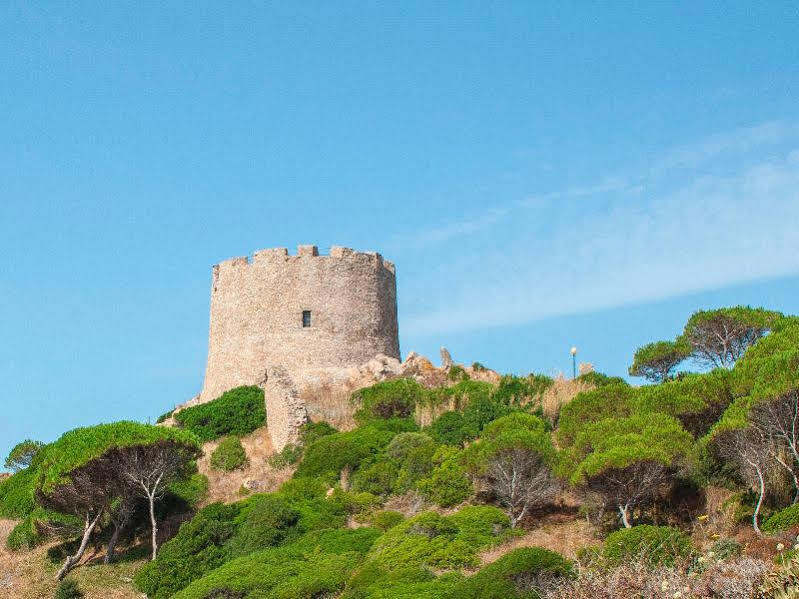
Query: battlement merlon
x,y
279,254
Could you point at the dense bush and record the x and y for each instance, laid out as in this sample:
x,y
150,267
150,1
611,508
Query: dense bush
x,y
311,431
16,494
329,455
316,565
236,412
783,519
443,542
696,400
389,399
609,401
22,455
229,455
264,521
599,379
385,519
191,490
518,391
447,484
198,548
288,456
657,545
516,575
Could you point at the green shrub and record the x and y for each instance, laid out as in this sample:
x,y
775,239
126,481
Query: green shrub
x,y
431,540
23,454
236,412
298,489
329,455
519,391
516,575
68,589
191,490
198,548
316,565
24,535
657,545
311,431
385,519
783,519
457,373
447,484
264,521
290,455
165,416
450,428
379,478
598,379
389,399
229,455
609,401
16,494
696,400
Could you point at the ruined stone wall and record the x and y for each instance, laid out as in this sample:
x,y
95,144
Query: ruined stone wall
x,y
256,315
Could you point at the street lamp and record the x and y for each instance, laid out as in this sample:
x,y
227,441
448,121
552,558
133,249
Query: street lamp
x,y
574,362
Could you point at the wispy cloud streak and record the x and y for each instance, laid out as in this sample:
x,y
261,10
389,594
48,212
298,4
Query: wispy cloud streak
x,y
699,232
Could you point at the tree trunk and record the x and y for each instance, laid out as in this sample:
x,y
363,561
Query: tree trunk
x,y
624,511
154,525
759,502
112,543
71,560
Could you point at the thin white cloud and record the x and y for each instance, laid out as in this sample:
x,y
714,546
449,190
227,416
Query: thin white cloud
x,y
708,232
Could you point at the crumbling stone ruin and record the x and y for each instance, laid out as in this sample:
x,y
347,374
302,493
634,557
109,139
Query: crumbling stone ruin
x,y
283,321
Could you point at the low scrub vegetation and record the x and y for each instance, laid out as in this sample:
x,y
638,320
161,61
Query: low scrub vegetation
x,y
394,510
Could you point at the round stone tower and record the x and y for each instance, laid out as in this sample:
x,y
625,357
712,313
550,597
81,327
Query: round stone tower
x,y
298,314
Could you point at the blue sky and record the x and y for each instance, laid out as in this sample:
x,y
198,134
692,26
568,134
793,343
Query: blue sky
x,y
543,174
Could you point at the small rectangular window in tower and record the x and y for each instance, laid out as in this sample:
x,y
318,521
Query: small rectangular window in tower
x,y
306,318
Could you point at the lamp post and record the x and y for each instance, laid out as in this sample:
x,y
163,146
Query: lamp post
x,y
574,362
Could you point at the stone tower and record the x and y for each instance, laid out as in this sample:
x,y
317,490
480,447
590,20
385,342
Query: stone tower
x,y
282,318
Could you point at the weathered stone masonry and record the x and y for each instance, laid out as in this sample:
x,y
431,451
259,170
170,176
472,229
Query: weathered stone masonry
x,y
257,333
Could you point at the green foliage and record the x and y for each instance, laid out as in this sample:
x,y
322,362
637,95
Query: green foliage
x,y
298,489
24,535
696,400
165,416
516,575
609,401
598,379
478,367
447,484
443,542
457,373
22,455
81,445
617,443
656,545
388,399
720,337
517,431
288,456
656,361
236,412
479,407
386,519
379,478
199,547
229,455
518,391
16,494
329,455
311,431
782,520
68,589
191,490
316,565
264,521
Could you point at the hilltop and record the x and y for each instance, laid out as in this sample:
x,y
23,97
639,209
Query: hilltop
x,y
448,482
